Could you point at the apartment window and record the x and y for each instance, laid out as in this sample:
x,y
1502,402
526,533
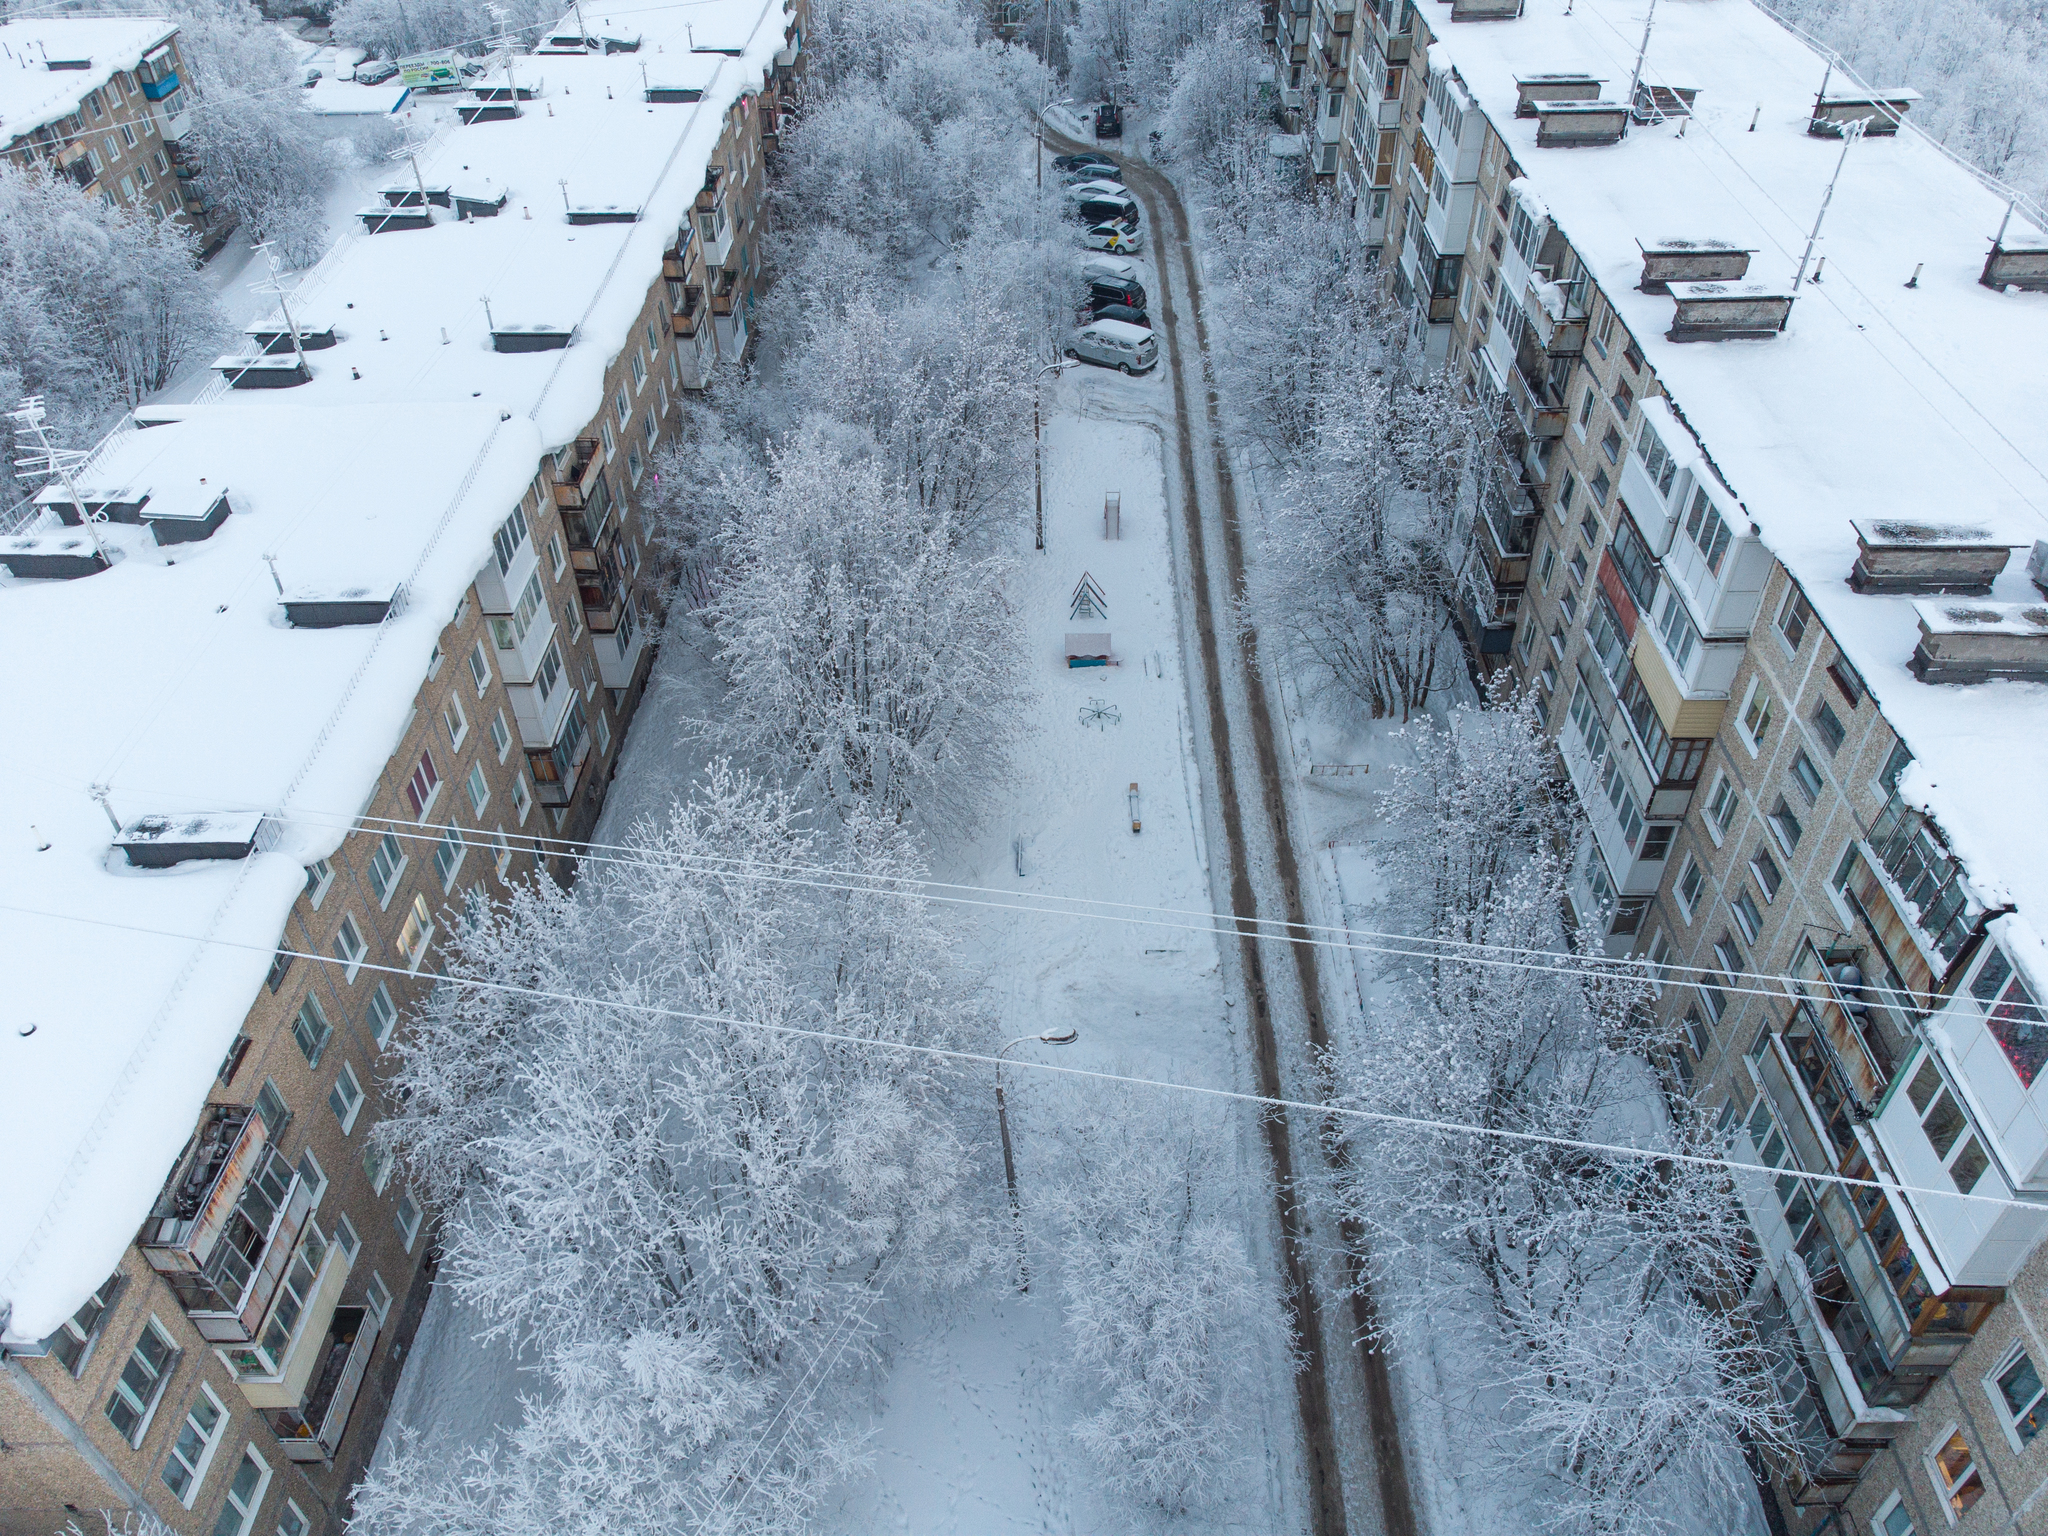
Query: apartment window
x,y
479,668
1565,491
245,1496
501,849
377,1297
1747,917
292,1522
311,1030
1713,989
1691,887
312,1175
456,721
2011,1015
1549,568
1891,1519
1765,868
1895,763
522,797
639,372
1611,445
1756,715
271,1108
2016,1391
573,612
1828,726
382,1014
350,948
280,967
1956,1479
1947,1126
1603,335
478,788
1578,565
653,340
622,405
508,538
604,429
650,430
345,1238
1807,776
1708,531
1586,411
511,632
501,736
141,1382
319,876
185,1469
549,672
143,177
448,854
1721,803
423,786
416,932
1624,399
434,660
1601,486
604,734
72,1343
1793,617
387,863
377,1166
1785,824
1657,842
407,1219
1848,679
345,1098
92,105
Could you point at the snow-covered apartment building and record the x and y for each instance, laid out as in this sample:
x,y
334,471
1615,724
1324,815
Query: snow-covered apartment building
x,y
103,101
350,641
1768,547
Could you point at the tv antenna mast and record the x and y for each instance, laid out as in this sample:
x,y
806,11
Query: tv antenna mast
x,y
31,417
276,284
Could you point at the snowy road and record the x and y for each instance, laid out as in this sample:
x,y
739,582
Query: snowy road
x,y
1280,979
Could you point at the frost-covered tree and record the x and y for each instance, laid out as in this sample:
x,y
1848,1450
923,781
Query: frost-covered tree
x,y
654,1180
1609,1284
393,28
1215,102
99,305
1369,548
1167,1321
867,651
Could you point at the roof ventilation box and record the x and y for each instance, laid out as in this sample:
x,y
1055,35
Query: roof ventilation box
x,y
1575,124
1533,90
264,371
673,94
529,338
336,608
603,213
275,338
1727,311
1691,261
479,205
2014,266
378,221
113,504
51,556
410,197
158,842
1981,642
474,112
1878,111
1898,555
498,90
1485,10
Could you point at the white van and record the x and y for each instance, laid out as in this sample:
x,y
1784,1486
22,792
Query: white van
x,y
1115,344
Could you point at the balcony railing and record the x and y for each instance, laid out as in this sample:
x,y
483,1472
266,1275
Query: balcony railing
x,y
1925,873
575,472
314,1431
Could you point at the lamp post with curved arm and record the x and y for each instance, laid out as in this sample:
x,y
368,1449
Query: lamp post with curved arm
x,y
1038,467
1050,1037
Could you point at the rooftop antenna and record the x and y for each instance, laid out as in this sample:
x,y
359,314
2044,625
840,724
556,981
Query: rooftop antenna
x,y
582,27
564,185
1999,238
1636,79
488,320
30,416
504,40
283,290
410,153
1851,132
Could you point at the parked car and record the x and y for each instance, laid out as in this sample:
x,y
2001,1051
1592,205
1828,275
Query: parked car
x,y
1083,187
375,71
1097,209
1109,121
1069,163
1114,344
1116,291
1125,313
1112,236
1114,269
1095,175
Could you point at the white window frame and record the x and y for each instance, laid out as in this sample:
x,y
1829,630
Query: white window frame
x,y
372,1291
172,1358
382,1014
346,1238
1945,1491
410,1231
502,849
347,1075
1992,1390
480,668
318,1181
384,886
522,797
451,837
1754,743
501,736
478,788
254,1507
1686,908
292,1522
319,880
558,562
211,1444
1877,1519
1713,824
379,1175
420,921
456,719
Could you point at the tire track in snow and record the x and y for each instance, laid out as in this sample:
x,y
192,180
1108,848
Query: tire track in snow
x,y
1179,274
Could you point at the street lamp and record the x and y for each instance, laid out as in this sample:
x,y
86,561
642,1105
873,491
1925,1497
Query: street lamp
x,y
1050,1037
1038,471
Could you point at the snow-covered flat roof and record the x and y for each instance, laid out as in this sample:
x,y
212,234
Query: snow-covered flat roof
x,y
1878,401
32,94
172,678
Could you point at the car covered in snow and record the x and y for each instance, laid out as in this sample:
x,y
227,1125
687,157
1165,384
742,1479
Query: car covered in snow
x,y
375,71
1114,344
1109,236
1100,267
1067,163
1086,187
1106,176
1123,312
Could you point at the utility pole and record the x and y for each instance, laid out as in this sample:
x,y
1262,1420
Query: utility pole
x,y
1851,132
1050,1037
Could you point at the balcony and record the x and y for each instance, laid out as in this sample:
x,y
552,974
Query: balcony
x,y
226,1223
619,653
1557,313
1537,411
602,594
313,1431
556,769
576,471
161,86
686,311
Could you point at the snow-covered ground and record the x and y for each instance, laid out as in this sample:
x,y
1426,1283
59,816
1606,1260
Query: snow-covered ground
x,y
969,1420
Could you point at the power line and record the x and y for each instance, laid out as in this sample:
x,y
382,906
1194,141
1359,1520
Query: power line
x,y
1789,988
979,1058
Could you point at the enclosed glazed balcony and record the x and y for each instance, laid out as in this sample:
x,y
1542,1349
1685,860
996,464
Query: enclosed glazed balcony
x,y
313,1431
226,1223
576,467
